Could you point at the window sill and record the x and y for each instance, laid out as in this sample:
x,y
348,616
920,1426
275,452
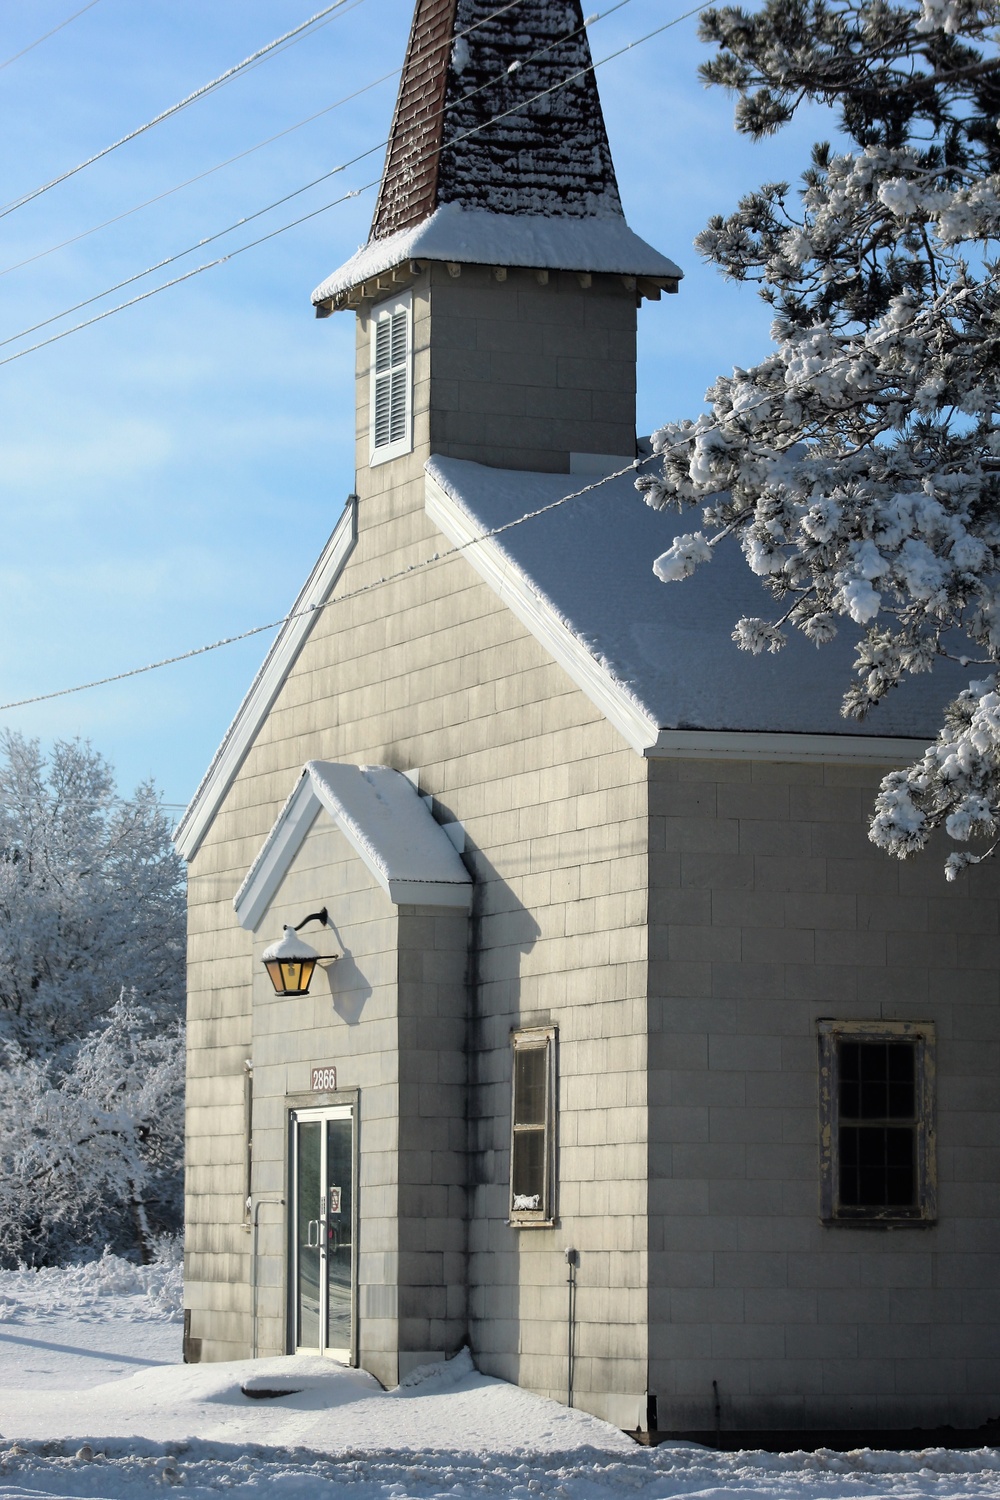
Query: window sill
x,y
880,1221
530,1221
390,451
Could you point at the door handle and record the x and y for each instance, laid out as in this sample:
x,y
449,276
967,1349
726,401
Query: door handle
x,y
312,1244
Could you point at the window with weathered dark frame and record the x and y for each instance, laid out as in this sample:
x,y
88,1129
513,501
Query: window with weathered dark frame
x,y
877,1137
532,1131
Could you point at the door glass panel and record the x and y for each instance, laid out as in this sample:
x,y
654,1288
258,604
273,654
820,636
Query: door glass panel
x,y
339,1256
307,1232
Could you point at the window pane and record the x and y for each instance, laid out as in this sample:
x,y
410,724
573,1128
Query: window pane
x,y
901,1072
877,1166
877,1080
528,1166
529,1086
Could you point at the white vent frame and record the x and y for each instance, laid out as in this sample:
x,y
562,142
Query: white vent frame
x,y
383,313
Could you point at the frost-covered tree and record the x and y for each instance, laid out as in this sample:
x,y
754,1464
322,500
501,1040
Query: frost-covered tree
x,y
859,463
91,899
91,1155
91,1008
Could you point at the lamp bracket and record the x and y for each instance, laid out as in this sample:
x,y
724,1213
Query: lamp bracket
x,y
316,916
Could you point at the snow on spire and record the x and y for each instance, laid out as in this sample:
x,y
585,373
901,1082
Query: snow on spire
x,y
497,112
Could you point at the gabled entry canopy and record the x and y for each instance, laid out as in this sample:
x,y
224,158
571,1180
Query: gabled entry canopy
x,y
386,822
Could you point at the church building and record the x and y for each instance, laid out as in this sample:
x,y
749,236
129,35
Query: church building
x,y
545,993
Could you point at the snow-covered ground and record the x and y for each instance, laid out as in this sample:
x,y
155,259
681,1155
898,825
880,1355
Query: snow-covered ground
x,y
94,1402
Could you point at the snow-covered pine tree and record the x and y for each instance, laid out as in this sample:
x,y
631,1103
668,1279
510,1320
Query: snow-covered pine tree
x,y
859,462
91,1008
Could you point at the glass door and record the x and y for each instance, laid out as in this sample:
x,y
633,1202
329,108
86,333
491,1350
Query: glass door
x,y
323,1223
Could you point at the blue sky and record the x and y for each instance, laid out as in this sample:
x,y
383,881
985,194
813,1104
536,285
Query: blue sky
x,y
169,476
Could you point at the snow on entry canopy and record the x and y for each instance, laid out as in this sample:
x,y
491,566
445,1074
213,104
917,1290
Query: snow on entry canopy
x,y
669,645
387,818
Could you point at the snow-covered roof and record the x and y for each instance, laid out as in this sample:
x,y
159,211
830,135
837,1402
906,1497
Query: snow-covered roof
x,y
475,236
658,659
385,821
498,153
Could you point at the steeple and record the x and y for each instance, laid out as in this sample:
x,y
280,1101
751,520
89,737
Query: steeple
x,y
497,112
498,153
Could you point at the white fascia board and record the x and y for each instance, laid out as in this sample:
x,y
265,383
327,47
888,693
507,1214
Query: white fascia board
x,y
715,744
621,710
429,893
268,870
266,686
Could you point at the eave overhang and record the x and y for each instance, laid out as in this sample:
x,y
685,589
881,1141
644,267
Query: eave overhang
x,y
456,236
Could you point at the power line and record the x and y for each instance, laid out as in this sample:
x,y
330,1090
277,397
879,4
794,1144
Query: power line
x,y
165,114
304,218
315,609
247,219
38,40
219,166
176,280
158,197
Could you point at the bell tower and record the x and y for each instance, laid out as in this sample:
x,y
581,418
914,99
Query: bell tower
x,y
496,297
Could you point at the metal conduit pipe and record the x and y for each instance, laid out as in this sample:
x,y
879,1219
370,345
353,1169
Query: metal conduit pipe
x,y
260,1203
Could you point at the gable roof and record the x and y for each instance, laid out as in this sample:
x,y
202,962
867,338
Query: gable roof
x,y
386,822
267,684
499,153
658,659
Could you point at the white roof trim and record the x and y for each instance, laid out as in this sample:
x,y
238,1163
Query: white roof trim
x,y
615,703
277,852
638,728
369,805
478,236
718,744
267,684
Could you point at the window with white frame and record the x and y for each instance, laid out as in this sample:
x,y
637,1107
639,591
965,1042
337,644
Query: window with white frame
x,y
533,1126
391,415
877,1159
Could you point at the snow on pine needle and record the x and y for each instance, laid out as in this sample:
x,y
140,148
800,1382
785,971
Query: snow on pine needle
x,y
858,464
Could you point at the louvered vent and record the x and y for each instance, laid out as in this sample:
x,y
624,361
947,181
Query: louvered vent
x,y
391,382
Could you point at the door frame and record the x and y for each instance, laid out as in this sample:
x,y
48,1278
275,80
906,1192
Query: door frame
x,y
319,1106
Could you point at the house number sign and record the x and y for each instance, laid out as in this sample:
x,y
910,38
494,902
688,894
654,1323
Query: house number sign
x,y
324,1079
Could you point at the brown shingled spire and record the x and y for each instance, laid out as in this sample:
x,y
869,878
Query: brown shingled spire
x,y
497,112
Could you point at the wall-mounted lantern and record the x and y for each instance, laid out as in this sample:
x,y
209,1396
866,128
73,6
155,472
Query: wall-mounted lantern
x,y
290,961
